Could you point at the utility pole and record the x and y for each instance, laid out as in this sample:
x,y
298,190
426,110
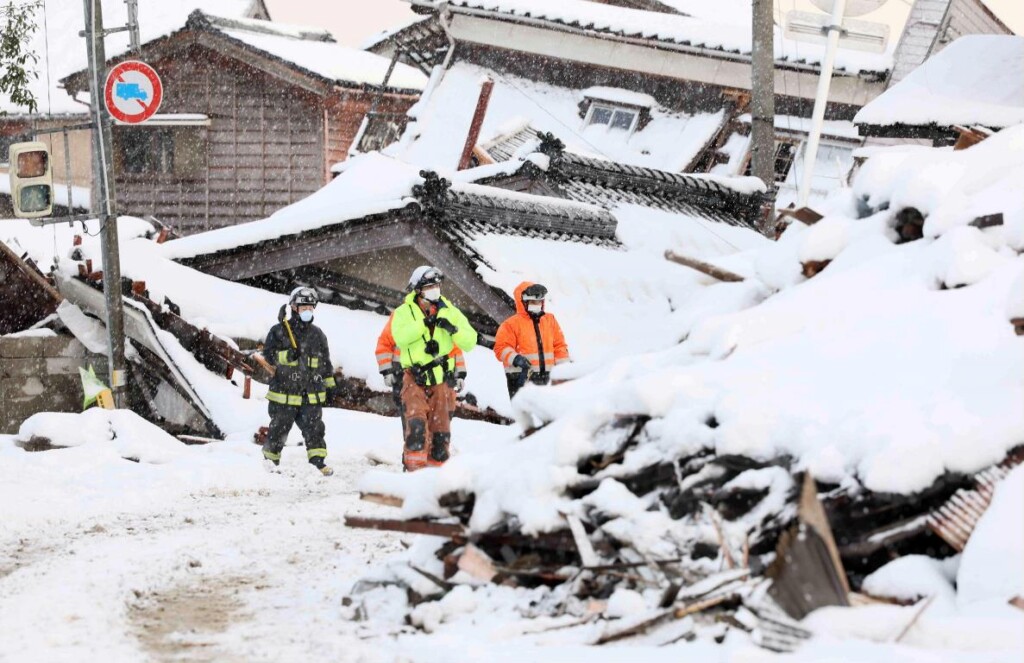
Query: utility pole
x,y
104,172
762,63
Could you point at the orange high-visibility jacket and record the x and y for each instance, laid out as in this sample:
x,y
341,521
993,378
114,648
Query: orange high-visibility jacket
x,y
541,341
388,353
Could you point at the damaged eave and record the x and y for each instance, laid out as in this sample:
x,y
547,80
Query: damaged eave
x,y
932,132
380,231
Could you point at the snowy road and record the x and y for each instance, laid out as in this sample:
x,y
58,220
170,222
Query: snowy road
x,y
255,574
205,557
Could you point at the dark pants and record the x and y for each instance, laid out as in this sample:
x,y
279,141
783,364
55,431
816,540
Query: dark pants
x,y
309,419
512,381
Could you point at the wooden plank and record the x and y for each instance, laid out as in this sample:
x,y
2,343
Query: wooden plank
x,y
379,498
703,267
427,527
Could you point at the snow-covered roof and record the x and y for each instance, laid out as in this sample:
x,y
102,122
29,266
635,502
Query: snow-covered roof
x,y
669,142
720,26
325,58
62,51
976,80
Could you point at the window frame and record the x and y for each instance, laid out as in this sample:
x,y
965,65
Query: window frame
x,y
614,109
168,166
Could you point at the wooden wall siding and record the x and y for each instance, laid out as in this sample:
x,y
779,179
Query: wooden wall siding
x,y
969,17
264,146
345,115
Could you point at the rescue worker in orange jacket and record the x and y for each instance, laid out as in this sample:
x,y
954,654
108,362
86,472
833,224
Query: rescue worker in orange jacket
x,y
390,366
530,342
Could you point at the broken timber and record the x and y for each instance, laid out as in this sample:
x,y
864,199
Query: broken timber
x,y
704,268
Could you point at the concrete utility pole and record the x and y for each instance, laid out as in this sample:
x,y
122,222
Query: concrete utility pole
x,y
104,172
821,99
762,62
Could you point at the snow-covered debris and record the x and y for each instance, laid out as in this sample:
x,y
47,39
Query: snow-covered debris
x,y
976,80
913,577
890,391
991,568
442,117
119,432
949,187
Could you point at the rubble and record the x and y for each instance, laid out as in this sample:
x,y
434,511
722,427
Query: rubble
x,y
729,539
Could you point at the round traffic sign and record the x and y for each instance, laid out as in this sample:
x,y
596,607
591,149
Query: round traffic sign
x,y
133,92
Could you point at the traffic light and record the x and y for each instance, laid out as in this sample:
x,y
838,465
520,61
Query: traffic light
x,y
31,180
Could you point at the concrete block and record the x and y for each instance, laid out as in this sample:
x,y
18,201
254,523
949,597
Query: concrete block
x,y
26,347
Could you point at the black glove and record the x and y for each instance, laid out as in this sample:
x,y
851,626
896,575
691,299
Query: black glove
x,y
292,355
445,324
522,363
432,348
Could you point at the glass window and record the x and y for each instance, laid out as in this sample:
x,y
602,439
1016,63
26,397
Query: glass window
x,y
623,119
179,151
600,115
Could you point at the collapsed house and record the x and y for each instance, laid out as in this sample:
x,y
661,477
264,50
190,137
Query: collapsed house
x,y
793,436
357,245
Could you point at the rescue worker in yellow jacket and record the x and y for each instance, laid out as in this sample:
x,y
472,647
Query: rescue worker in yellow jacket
x,y
530,342
426,328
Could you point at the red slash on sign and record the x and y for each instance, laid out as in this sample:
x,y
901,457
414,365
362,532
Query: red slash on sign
x,y
130,85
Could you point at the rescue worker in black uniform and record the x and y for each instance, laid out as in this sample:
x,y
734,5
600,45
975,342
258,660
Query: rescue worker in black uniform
x,y
303,381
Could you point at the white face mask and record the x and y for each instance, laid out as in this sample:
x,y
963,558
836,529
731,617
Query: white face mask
x,y
305,316
535,307
432,294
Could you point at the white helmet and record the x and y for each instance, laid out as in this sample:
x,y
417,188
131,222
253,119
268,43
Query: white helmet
x,y
425,275
303,296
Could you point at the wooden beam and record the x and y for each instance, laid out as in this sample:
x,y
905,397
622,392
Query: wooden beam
x,y
704,268
295,251
428,527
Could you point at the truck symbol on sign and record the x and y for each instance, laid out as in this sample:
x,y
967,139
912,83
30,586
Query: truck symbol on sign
x,y
130,91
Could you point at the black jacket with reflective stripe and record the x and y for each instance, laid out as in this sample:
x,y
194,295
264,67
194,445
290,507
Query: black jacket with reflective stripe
x,y
312,373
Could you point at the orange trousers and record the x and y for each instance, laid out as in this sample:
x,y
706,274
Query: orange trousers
x,y
428,416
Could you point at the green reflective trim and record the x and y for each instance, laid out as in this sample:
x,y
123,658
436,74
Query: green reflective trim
x,y
316,453
282,359
318,398
329,382
283,399
314,362
270,455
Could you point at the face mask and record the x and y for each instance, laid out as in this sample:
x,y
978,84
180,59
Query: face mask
x,y
305,316
534,307
432,294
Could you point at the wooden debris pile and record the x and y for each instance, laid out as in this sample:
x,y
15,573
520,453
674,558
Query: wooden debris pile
x,y
745,524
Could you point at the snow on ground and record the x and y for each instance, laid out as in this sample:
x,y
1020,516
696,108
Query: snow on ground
x,y
976,80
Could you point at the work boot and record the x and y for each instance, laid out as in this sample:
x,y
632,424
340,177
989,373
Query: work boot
x,y
319,464
414,454
439,449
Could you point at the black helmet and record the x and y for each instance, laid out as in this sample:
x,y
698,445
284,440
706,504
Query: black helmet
x,y
303,296
425,275
535,293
